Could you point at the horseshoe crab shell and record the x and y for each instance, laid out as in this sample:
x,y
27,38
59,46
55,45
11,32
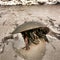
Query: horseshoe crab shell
x,y
28,26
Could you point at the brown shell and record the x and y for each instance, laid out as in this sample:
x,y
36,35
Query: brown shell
x,y
28,26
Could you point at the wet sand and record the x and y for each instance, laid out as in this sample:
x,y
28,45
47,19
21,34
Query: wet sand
x,y
36,52
11,15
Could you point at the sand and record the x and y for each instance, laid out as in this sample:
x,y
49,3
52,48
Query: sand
x,y
12,15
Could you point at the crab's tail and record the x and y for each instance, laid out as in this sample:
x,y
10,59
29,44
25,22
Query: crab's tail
x,y
57,36
6,38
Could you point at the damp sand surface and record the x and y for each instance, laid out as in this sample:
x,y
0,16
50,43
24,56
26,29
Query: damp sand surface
x,y
11,15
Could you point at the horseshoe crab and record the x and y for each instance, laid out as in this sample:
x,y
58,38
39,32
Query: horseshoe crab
x,y
34,35
31,32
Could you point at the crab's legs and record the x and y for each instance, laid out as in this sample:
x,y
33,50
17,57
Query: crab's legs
x,y
26,42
